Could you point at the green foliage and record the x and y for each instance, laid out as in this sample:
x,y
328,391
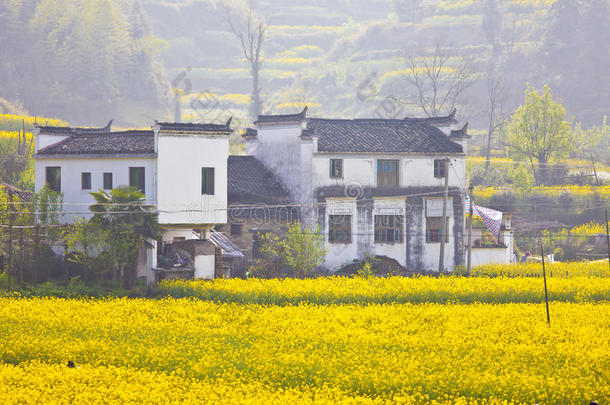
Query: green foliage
x,y
366,271
79,59
538,131
88,246
126,224
303,249
297,255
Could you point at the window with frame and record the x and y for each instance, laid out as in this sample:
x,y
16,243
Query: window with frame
x,y
207,180
137,178
53,178
440,167
85,181
387,173
107,181
433,229
336,168
340,228
388,228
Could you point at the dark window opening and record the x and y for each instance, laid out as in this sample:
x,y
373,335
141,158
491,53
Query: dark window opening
x,y
440,167
388,228
85,180
107,181
236,229
387,173
340,228
433,230
137,178
207,180
336,168
53,178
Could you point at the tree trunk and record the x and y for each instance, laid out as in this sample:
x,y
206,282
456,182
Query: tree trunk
x,y
256,98
543,171
487,152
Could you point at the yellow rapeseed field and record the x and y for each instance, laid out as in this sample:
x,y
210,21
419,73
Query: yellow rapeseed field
x,y
345,290
187,350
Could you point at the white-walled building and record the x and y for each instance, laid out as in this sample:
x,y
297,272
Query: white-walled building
x,y
181,168
374,186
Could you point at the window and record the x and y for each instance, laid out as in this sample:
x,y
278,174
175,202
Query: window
x,y
336,168
207,180
137,179
388,228
107,181
433,230
440,166
387,173
340,228
236,229
85,181
53,178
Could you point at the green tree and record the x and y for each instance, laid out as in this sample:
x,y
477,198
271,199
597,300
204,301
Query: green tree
x,y
87,246
296,255
303,249
129,222
538,131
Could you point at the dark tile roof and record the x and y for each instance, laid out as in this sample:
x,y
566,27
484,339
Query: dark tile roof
x,y
379,136
190,127
263,119
74,131
459,134
25,196
250,133
125,142
437,121
250,181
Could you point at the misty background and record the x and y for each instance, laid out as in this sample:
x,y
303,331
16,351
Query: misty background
x,y
87,62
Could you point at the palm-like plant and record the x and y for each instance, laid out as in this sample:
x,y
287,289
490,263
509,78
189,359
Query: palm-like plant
x,y
130,222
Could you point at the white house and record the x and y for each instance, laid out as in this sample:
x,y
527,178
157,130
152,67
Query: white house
x,y
181,168
374,186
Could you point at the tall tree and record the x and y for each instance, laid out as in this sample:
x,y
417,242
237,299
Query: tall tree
x,y
251,31
496,98
436,80
539,132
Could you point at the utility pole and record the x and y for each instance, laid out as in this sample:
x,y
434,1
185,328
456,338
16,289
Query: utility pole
x,y
470,209
546,292
608,237
441,258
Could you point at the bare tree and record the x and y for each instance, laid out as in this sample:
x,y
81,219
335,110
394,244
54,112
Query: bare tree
x,y
251,31
496,98
435,82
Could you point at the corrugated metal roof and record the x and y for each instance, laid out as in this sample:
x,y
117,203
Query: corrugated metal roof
x,y
229,249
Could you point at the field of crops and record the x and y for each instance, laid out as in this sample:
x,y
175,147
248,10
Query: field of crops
x,y
328,340
420,290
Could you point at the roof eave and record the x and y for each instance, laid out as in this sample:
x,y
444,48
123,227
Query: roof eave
x,y
93,155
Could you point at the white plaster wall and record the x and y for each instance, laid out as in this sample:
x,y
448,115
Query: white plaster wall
x,y
415,170
44,140
76,200
179,163
339,254
482,256
204,267
169,235
279,147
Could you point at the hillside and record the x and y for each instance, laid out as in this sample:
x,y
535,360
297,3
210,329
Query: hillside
x,y
345,57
